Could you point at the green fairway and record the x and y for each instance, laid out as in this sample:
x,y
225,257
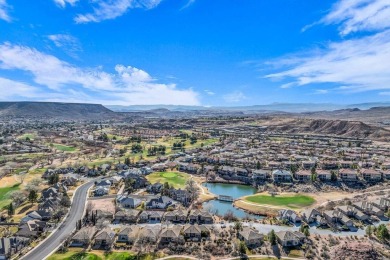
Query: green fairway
x,y
64,148
176,179
293,201
4,195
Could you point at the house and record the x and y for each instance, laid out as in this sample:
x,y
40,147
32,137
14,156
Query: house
x,y
161,202
9,246
382,203
371,175
180,195
176,216
83,237
348,175
251,237
151,216
336,216
201,217
290,239
129,202
103,183
281,176
352,211
303,176
149,234
31,229
369,208
128,235
171,234
259,175
308,164
50,193
324,175
155,188
386,174
310,215
195,232
104,238
288,215
101,191
127,216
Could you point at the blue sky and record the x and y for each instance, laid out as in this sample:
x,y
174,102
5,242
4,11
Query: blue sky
x,y
195,52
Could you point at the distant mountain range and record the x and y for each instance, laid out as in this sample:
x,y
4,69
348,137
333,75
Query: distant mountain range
x,y
274,107
68,111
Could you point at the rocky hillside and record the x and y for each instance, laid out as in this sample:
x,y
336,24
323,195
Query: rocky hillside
x,y
330,127
63,111
354,250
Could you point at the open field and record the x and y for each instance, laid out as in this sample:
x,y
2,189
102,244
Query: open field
x,y
175,179
64,148
4,194
282,201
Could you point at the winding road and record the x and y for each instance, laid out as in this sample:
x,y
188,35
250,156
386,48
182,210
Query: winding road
x,y
76,212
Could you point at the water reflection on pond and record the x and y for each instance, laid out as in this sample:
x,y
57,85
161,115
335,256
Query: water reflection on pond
x,y
234,190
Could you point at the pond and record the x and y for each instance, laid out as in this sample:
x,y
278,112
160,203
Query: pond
x,y
234,190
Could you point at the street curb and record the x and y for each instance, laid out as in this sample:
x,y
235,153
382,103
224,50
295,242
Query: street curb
x,y
86,201
55,230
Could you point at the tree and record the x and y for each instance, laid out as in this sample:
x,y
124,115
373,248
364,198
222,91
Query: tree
x,y
65,200
369,231
242,248
258,165
17,197
53,179
272,237
382,232
237,226
10,209
33,185
333,176
32,196
192,189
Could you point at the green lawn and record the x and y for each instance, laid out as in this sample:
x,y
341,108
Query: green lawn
x,y
294,201
176,179
71,255
76,254
4,195
64,148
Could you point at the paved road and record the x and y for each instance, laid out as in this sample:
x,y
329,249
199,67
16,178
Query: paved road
x,y
76,212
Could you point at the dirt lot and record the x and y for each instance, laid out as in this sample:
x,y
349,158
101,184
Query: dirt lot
x,y
103,204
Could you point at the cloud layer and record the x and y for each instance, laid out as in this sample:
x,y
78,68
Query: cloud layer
x,y
111,9
360,63
4,11
127,85
359,15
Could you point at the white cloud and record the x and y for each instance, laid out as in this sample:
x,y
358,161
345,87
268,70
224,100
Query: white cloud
x,y
4,11
210,93
359,15
11,89
355,65
360,65
62,3
111,9
188,4
128,85
66,42
234,97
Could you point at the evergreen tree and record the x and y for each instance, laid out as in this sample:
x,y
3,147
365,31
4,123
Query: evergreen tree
x,y
10,209
32,196
272,237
